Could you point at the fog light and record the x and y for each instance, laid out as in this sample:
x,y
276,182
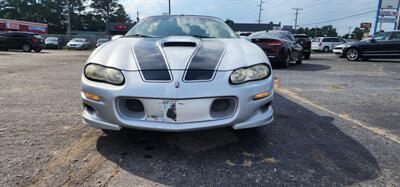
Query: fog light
x,y
92,96
261,95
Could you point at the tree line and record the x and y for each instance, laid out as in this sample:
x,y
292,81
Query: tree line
x,y
85,15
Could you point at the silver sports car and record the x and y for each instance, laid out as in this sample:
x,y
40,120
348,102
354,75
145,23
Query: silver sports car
x,y
177,73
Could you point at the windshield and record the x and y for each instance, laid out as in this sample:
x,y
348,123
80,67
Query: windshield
x,y
51,39
258,34
164,26
77,40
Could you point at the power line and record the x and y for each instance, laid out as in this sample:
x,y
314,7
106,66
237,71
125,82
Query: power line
x,y
261,9
340,18
297,13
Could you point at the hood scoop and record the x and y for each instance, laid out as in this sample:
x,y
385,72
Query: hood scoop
x,y
179,44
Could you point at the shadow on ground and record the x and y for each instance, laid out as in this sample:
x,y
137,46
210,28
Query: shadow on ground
x,y
299,148
306,66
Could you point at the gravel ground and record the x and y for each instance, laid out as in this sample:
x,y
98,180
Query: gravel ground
x,y
336,123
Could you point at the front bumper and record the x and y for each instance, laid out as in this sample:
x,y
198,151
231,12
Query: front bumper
x,y
248,113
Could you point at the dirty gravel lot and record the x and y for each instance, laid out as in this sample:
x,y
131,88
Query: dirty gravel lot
x,y
336,123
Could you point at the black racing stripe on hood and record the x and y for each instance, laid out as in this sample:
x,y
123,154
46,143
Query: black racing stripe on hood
x,y
150,60
205,62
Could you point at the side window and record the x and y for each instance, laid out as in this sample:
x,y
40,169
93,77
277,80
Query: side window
x,y
335,39
395,36
382,36
326,40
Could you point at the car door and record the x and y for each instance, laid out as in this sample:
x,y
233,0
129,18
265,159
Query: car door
x,y
294,46
327,42
376,46
393,44
3,40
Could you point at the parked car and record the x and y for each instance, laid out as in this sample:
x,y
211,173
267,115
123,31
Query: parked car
x,y
305,42
280,47
326,44
78,43
177,79
21,40
52,43
101,41
382,45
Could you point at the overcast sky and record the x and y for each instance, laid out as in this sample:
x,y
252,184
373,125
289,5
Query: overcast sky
x,y
315,12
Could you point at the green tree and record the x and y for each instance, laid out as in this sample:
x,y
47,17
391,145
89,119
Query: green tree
x,y
110,10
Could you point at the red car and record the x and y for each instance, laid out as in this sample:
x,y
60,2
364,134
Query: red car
x,y
280,47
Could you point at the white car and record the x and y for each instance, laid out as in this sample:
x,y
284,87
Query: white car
x,y
177,73
78,43
326,44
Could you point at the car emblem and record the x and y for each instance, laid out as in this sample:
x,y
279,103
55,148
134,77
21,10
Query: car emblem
x,y
176,84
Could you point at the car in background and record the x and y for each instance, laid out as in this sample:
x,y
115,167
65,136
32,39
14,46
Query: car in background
x,y
280,46
101,41
26,41
52,43
78,43
305,42
382,45
326,44
338,50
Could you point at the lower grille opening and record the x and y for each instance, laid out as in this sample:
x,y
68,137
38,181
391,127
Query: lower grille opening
x,y
221,108
131,108
265,106
89,109
134,105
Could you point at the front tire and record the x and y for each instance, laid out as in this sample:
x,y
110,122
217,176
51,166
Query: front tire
x,y
299,59
307,56
286,61
26,48
37,50
352,54
326,49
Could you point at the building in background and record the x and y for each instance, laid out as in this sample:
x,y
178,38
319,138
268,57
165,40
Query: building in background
x,y
23,26
252,27
118,28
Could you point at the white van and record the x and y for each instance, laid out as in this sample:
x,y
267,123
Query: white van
x,y
326,44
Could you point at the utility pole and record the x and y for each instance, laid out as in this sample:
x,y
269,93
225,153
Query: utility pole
x,y
349,36
316,29
297,13
169,7
261,9
68,20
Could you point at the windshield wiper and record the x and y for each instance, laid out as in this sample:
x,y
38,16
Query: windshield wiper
x,y
141,36
201,36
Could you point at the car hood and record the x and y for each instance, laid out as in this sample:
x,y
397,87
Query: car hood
x,y
178,53
75,43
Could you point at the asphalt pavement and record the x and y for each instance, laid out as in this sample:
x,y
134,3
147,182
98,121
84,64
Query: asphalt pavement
x,y
336,123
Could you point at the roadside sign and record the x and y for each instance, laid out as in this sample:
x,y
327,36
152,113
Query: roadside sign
x,y
386,19
366,25
388,12
12,25
390,4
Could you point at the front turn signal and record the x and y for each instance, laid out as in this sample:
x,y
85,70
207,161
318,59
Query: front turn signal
x,y
261,95
92,96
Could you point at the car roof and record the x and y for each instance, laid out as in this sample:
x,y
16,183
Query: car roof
x,y
182,15
21,32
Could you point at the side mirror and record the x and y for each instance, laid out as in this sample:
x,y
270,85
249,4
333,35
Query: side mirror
x,y
116,37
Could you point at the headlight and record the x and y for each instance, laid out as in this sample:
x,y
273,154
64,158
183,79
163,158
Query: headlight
x,y
101,73
252,73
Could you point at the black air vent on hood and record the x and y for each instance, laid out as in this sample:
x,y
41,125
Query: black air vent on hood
x,y
179,44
